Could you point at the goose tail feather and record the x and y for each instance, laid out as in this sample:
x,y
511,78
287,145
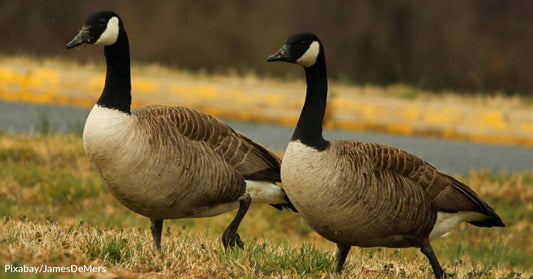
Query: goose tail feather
x,y
288,205
492,220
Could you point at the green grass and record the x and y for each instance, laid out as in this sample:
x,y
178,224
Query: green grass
x,y
56,211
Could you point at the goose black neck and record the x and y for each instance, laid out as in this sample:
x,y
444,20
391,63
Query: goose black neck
x,y
309,127
117,89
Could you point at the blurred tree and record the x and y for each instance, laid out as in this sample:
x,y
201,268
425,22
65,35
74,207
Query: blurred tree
x,y
470,45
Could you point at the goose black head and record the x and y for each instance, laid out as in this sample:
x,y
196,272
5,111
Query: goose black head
x,y
102,27
300,48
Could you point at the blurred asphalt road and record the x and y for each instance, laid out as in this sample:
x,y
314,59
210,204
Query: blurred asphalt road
x,y
452,156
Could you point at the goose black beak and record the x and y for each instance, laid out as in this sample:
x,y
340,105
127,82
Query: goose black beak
x,y
82,38
283,54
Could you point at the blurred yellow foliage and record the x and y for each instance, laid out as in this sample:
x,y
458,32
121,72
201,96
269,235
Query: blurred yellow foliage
x,y
349,107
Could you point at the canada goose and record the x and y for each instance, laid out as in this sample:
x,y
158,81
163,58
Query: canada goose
x,y
170,162
366,194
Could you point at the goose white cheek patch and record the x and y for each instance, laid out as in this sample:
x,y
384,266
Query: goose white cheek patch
x,y
308,59
110,34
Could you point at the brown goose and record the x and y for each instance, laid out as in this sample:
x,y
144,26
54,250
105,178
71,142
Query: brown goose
x,y
366,194
170,162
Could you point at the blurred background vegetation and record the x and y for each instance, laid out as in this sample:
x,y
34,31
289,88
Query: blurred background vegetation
x,y
470,45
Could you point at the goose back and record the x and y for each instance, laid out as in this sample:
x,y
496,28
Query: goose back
x,y
250,159
447,194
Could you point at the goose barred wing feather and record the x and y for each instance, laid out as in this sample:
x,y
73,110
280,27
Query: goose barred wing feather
x,y
260,158
247,157
447,193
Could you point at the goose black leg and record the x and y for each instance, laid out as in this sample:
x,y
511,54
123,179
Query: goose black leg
x,y
437,269
342,253
230,237
157,227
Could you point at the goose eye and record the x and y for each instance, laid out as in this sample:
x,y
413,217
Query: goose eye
x,y
303,42
102,22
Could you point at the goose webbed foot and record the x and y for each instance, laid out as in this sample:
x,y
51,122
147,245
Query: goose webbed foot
x,y
156,227
342,253
230,238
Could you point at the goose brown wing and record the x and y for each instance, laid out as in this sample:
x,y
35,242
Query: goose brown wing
x,y
447,193
247,157
261,163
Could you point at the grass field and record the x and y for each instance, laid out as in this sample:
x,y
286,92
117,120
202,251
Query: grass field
x,y
56,211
